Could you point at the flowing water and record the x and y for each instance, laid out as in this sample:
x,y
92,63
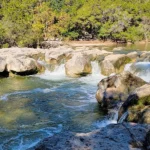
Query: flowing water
x,y
35,107
140,69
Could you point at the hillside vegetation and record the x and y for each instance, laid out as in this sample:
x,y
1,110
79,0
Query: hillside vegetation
x,y
29,22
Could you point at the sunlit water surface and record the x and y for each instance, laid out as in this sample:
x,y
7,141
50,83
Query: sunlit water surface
x,y
35,107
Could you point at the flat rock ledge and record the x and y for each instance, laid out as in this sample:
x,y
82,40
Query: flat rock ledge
x,y
125,136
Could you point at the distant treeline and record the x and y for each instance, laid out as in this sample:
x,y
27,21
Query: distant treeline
x,y
29,22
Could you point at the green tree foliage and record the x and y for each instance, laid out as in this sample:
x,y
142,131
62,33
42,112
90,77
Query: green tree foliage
x,y
29,22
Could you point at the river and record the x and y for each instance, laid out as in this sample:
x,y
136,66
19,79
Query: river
x,y
35,107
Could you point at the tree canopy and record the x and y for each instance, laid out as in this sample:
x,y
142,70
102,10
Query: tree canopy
x,y
28,23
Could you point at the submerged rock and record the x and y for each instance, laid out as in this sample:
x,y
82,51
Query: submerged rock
x,y
117,87
78,65
112,137
114,64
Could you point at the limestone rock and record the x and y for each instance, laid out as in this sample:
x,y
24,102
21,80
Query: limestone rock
x,y
78,65
57,55
112,137
2,64
138,104
145,116
117,87
114,63
96,54
22,65
133,56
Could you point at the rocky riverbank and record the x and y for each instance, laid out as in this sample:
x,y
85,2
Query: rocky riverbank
x,y
119,87
120,136
26,61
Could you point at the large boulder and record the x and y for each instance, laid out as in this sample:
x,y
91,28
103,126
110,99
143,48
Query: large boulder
x,y
145,56
2,64
133,56
117,88
113,137
78,65
22,65
58,55
97,54
137,104
114,63
3,71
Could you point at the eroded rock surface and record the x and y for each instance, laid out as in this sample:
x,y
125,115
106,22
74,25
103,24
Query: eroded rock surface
x,y
138,105
114,63
117,87
112,137
78,65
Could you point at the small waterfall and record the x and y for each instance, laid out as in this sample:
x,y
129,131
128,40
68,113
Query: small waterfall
x,y
96,75
123,117
95,68
140,69
57,74
111,118
42,63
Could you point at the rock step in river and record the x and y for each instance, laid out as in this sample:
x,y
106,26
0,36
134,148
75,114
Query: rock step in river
x,y
39,106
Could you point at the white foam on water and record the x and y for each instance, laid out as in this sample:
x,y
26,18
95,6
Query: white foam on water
x,y
47,90
140,69
104,123
27,145
57,74
77,108
23,141
95,77
112,119
127,67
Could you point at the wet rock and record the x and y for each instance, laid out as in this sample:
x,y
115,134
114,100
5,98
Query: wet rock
x,y
138,104
145,116
147,141
112,137
117,88
78,65
114,63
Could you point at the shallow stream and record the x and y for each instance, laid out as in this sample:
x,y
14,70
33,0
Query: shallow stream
x,y
35,107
